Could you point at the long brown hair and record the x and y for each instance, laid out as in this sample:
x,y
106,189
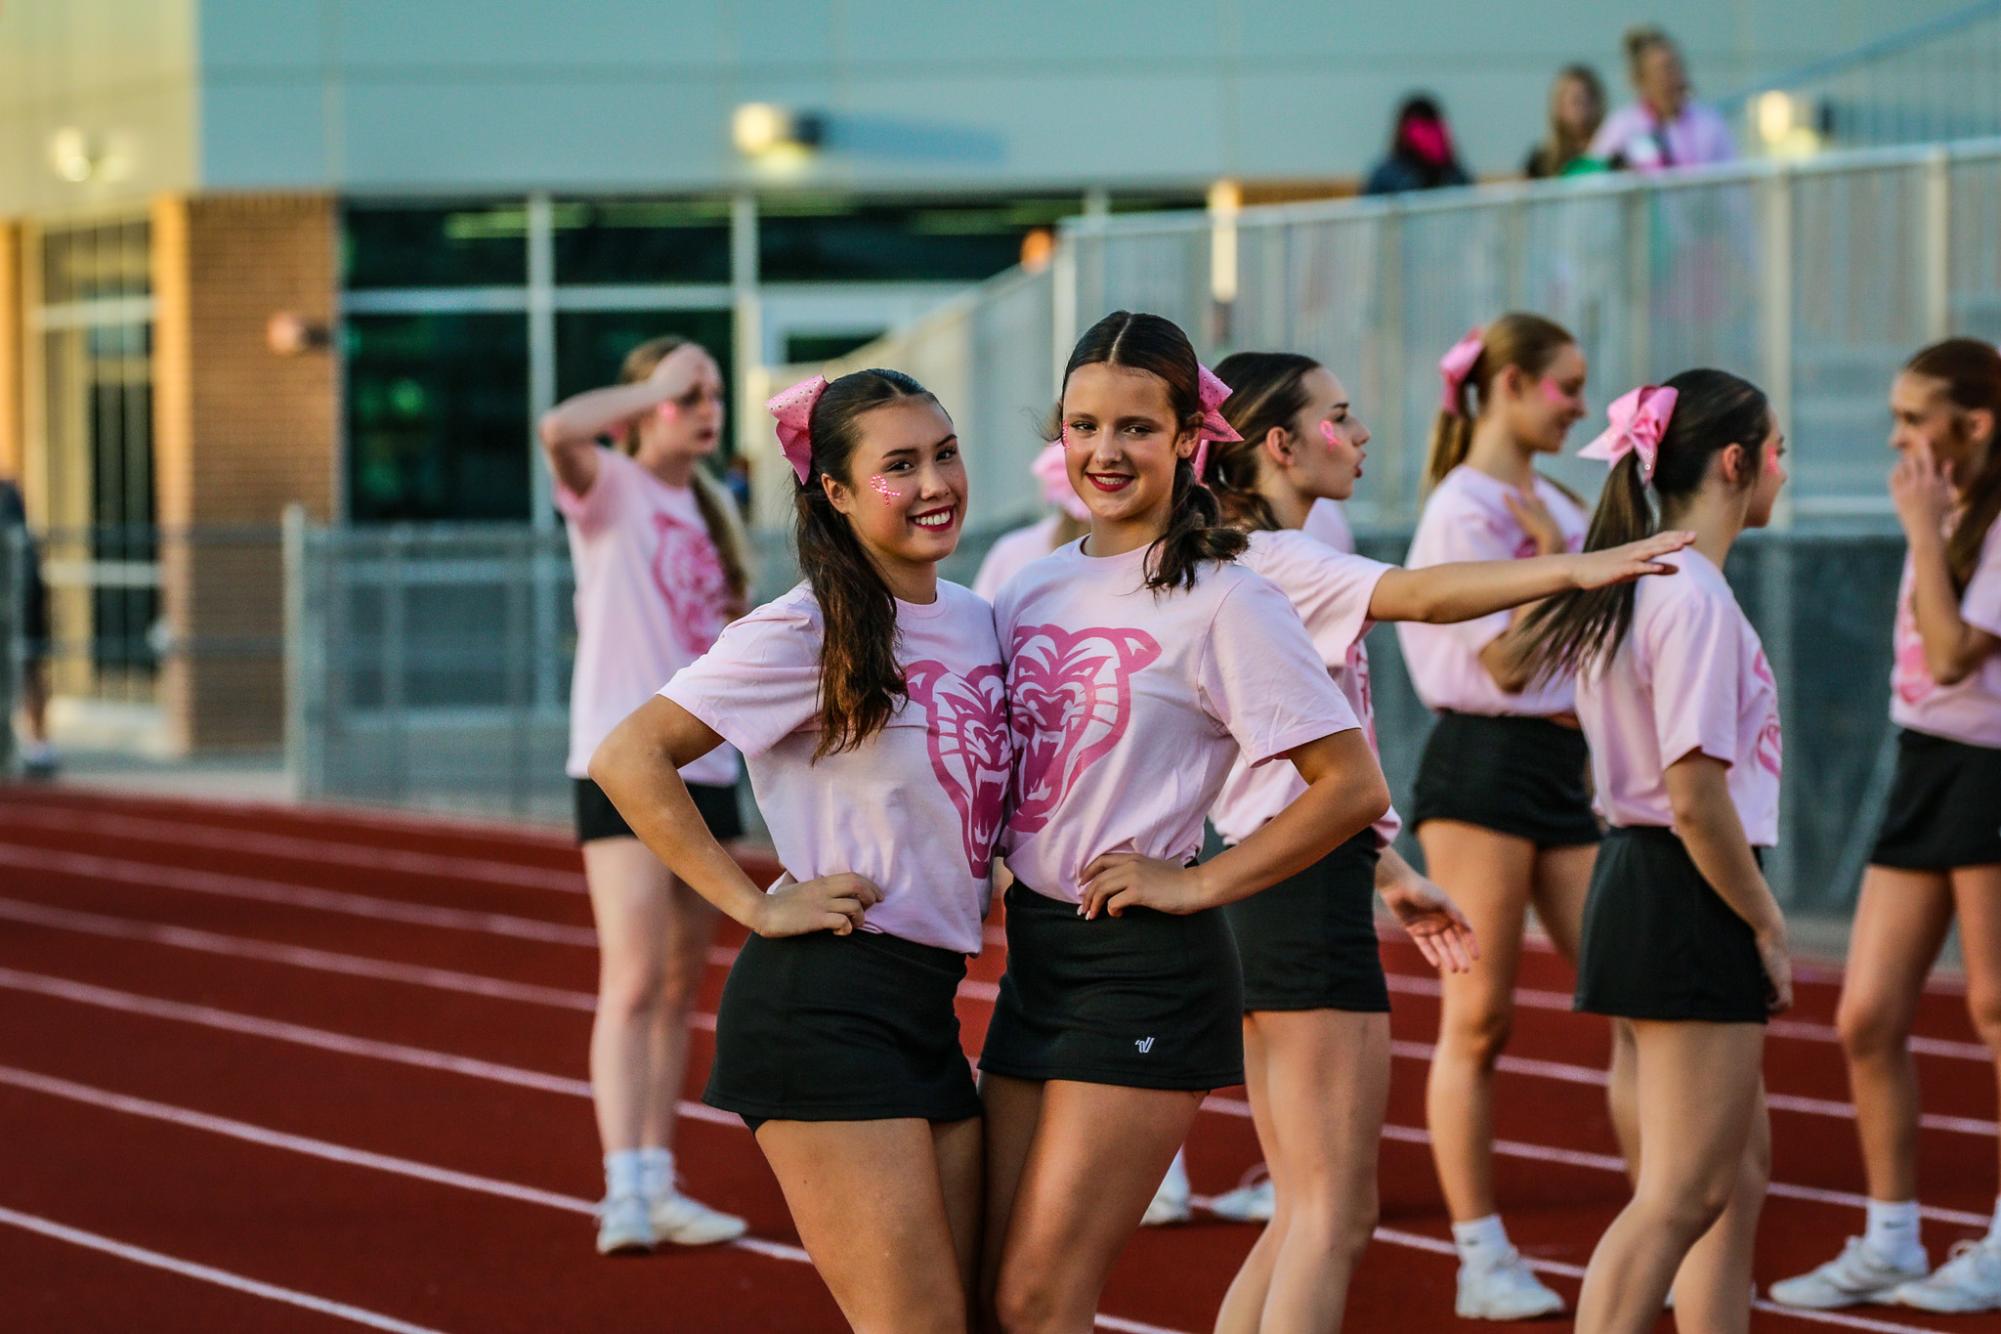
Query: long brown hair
x,y
1267,390
1713,410
1194,524
1515,339
860,682
1970,370
718,510
1561,145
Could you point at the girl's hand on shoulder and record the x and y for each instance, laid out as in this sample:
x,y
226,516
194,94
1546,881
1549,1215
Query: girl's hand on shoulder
x,y
833,903
1634,560
1121,880
1433,922
1537,521
1922,492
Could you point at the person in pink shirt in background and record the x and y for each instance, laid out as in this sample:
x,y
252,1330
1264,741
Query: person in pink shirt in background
x,y
1938,855
1142,661
1067,522
660,570
1682,937
1500,805
1316,1002
869,702
1664,128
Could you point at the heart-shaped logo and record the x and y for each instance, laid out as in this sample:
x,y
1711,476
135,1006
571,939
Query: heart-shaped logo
x,y
1069,700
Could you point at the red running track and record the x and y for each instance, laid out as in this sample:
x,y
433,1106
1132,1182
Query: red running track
x,y
300,1069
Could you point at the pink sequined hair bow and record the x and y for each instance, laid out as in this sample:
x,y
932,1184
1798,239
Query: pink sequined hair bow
x,y
1213,427
793,410
1456,365
1639,419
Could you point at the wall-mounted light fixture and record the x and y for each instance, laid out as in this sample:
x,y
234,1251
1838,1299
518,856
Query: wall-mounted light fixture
x,y
81,156
765,130
289,334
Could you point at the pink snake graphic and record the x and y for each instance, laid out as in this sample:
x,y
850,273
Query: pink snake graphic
x,y
967,734
1069,701
689,575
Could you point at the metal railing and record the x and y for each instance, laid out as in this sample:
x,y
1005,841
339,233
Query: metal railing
x,y
1816,279
1939,79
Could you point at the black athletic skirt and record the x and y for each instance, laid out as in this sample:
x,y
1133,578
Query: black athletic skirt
x,y
1945,806
841,1028
1659,943
1309,942
1519,776
1146,999
598,818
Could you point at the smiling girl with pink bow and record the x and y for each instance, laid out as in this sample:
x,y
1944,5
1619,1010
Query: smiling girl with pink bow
x,y
1142,660
1682,938
868,703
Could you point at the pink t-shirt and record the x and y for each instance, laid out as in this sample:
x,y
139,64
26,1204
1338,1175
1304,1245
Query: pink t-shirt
x,y
1690,676
1698,137
1331,591
1968,711
1128,709
1329,522
915,808
651,598
1467,518
1012,552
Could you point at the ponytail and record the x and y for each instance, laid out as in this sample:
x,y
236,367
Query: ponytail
x,y
860,683
1712,410
1267,391
1195,535
1515,339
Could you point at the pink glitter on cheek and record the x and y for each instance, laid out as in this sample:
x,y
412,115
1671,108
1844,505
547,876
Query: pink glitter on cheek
x,y
670,411
1327,433
1553,393
890,495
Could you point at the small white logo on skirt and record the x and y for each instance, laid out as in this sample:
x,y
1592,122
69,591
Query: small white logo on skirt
x,y
1145,1045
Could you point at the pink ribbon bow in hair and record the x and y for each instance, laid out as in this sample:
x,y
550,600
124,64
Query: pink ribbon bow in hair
x,y
1639,419
1457,364
1050,470
1213,427
793,410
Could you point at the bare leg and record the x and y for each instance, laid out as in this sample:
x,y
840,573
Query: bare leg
x,y
1977,891
1698,1089
1013,1107
691,929
1710,1286
631,900
1490,876
872,1212
1244,1304
1097,1154
1900,924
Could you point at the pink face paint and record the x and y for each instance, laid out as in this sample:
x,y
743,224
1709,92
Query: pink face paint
x,y
1553,393
670,411
1328,433
881,486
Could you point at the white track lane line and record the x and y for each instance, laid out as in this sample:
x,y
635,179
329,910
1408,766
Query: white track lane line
x,y
221,1278
295,847
208,1016
381,1162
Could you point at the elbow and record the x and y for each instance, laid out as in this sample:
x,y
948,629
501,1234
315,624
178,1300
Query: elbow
x,y
603,760
1947,669
1512,679
550,431
1375,798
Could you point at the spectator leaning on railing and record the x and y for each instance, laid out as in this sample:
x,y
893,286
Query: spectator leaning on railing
x,y
1421,155
1576,111
1664,127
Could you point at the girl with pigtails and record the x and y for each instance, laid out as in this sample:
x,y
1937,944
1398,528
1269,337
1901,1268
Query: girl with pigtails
x,y
1682,937
1142,660
869,705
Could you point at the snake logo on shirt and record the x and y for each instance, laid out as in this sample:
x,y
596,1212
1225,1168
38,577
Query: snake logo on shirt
x,y
689,574
968,740
1069,702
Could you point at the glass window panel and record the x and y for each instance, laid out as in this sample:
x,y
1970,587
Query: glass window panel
x,y
591,344
805,349
642,240
437,417
813,238
464,245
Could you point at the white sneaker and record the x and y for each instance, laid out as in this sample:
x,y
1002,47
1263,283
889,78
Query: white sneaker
x,y
1170,1200
1855,1276
687,1222
1968,1281
1246,1204
1504,1290
623,1227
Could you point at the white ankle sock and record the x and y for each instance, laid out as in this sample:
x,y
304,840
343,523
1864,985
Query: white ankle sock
x,y
656,1172
1993,1237
1483,1242
623,1173
1177,1173
1893,1231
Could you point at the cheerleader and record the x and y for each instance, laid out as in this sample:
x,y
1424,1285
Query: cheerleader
x,y
1141,660
1682,937
1500,806
1316,1003
1938,856
869,703
660,569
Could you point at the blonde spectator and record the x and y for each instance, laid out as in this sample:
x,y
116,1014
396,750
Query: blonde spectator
x,y
1664,127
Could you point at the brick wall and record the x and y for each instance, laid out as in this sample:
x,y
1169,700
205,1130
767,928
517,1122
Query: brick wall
x,y
239,433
